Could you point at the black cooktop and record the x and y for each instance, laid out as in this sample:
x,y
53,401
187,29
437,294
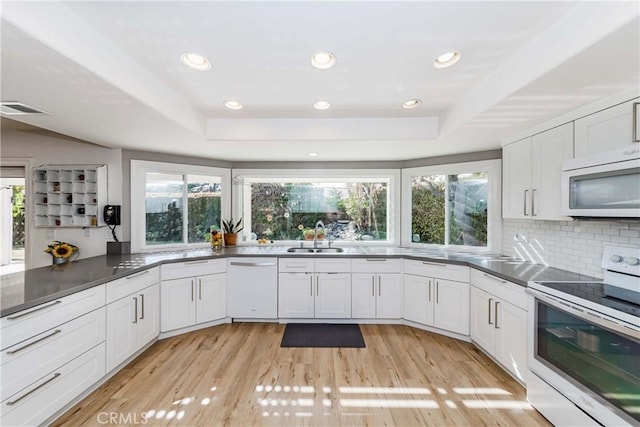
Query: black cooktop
x,y
600,293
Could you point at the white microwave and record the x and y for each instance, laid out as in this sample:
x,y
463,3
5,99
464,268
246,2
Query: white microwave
x,y
604,185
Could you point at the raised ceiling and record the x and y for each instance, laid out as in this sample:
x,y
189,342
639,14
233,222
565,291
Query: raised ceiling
x,y
110,73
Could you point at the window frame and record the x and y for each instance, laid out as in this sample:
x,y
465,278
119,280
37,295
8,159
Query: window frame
x,y
243,177
139,169
494,202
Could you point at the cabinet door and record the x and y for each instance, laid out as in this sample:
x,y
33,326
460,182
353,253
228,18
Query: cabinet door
x,y
333,296
211,300
516,182
389,297
121,331
451,309
177,304
605,130
511,338
363,296
549,150
483,319
148,326
295,295
418,293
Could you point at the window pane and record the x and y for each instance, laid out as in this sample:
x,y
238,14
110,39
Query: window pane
x,y
428,209
349,210
203,203
468,209
163,208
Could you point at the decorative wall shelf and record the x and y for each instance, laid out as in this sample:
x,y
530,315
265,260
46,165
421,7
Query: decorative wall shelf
x,y
69,195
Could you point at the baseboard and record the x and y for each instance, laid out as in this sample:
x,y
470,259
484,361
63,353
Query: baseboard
x,y
449,334
175,332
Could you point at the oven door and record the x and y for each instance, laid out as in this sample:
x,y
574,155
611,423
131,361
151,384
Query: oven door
x,y
592,360
611,190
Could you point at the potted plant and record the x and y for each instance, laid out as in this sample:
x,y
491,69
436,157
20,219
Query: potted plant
x,y
308,234
61,251
231,230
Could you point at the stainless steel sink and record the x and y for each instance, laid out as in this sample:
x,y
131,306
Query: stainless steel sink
x,y
315,250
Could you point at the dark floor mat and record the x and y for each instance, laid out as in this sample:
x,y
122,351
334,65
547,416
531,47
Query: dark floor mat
x,y
322,335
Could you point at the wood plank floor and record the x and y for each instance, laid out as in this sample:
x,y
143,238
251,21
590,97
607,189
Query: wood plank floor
x,y
237,375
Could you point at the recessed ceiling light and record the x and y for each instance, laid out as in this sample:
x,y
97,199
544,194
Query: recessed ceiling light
x,y
195,61
321,105
233,105
323,60
313,154
411,103
446,59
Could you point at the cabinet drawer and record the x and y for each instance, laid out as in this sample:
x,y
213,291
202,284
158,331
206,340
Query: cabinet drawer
x,y
500,288
26,362
131,284
376,265
333,265
38,402
296,265
201,267
439,270
25,324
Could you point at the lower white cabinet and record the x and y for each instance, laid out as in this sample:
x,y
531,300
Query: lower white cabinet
x,y
296,295
498,325
376,296
333,296
314,295
132,322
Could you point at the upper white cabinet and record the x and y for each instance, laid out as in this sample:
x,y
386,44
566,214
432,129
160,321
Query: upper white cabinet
x,y
376,288
604,130
69,195
532,174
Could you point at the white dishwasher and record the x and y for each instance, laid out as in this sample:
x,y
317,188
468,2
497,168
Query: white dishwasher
x,y
252,285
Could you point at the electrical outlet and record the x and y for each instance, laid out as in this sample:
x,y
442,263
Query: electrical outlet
x,y
51,234
87,232
521,237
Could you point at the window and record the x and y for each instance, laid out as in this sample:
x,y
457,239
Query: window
x,y
454,205
353,205
175,205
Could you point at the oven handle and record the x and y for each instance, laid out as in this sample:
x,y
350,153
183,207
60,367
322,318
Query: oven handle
x,y
586,314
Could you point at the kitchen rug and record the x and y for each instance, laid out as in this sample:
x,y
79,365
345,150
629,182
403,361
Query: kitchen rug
x,y
322,335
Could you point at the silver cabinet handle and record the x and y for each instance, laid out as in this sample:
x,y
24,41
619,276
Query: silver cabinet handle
x,y
376,259
13,402
193,286
57,331
311,285
525,203
141,306
437,292
379,286
317,285
429,290
258,264
133,276
204,261
496,310
533,202
34,310
436,264
200,289
373,286
135,310
494,278
489,319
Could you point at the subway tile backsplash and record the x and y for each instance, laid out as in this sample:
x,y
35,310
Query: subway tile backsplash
x,y
571,245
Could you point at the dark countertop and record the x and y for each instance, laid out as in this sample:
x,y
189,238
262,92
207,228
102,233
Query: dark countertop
x,y
22,290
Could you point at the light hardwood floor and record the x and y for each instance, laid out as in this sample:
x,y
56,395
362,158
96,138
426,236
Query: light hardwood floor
x,y
237,375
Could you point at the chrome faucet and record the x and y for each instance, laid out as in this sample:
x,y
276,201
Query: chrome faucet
x,y
319,224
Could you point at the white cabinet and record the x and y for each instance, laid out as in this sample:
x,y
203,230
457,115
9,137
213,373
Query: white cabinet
x,y
605,130
532,174
314,288
376,288
193,292
430,298
253,288
69,195
499,321
132,323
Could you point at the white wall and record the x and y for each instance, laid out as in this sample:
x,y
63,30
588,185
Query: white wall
x,y
571,245
42,147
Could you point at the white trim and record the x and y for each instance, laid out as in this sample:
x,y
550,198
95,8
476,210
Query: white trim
x,y
494,202
139,169
26,162
326,175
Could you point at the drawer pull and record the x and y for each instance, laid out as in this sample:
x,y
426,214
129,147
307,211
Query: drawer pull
x,y
373,286
256,264
436,264
376,259
133,276
135,310
204,261
33,311
489,319
57,331
494,278
13,402
141,306
496,311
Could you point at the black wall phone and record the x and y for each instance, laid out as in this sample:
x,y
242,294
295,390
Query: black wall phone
x,y
111,214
